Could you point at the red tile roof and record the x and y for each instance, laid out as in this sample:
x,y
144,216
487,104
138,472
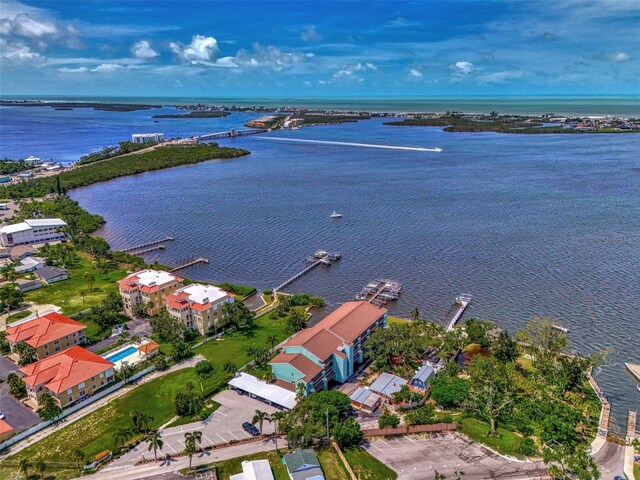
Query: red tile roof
x,y
301,363
5,427
43,330
149,347
65,369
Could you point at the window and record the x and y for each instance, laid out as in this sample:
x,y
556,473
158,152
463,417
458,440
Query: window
x,y
69,391
81,385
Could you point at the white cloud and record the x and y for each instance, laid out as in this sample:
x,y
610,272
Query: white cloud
x,y
463,68
618,56
26,26
267,56
309,34
107,68
73,70
415,73
201,49
350,70
500,77
18,51
143,49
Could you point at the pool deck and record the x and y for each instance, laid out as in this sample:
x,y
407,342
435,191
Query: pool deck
x,y
133,358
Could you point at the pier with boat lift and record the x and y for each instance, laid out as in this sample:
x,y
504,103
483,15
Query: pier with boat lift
x,y
462,302
379,292
189,263
168,238
320,257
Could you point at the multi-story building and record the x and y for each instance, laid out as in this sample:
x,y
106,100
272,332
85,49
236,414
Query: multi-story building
x,y
40,230
147,137
69,376
147,288
199,306
48,334
330,349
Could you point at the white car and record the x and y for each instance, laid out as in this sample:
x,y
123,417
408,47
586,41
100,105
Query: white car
x,y
2,416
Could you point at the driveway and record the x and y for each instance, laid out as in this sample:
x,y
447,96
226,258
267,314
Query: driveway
x,y
137,327
610,459
19,416
224,425
7,367
417,458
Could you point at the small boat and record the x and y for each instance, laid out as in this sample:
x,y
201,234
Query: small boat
x,y
561,328
437,149
336,215
638,387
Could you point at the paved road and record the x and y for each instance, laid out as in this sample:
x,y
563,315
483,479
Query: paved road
x,y
610,459
7,367
417,458
19,416
224,425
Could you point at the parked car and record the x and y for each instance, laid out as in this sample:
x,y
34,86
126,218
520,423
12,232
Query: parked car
x,y
2,416
250,429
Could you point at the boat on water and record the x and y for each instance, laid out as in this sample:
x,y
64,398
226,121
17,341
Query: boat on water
x,y
336,215
437,149
561,328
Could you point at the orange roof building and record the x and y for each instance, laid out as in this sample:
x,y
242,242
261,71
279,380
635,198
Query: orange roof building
x,y
48,334
330,349
6,431
199,306
149,349
69,376
147,287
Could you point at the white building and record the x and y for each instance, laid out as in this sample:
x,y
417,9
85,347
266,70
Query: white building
x,y
39,230
147,137
199,306
255,470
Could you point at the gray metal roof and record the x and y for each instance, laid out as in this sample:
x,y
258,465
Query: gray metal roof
x,y
365,396
387,384
424,373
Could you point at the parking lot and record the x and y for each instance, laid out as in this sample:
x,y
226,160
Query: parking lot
x,y
416,458
19,416
224,425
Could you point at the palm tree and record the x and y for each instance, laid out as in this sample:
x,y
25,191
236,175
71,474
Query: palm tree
x,y
230,367
155,442
78,456
277,417
24,466
259,418
121,435
194,437
89,278
190,448
40,467
272,340
415,314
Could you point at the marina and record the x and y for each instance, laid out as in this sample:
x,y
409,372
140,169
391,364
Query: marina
x,y
379,292
462,302
320,257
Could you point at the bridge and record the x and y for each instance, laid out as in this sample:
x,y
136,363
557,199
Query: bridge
x,y
228,134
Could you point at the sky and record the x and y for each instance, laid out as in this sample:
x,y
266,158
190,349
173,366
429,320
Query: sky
x,y
317,49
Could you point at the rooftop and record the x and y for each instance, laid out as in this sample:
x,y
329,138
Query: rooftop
x,y
42,330
5,427
199,295
273,393
306,367
66,369
387,384
49,272
254,470
148,278
34,222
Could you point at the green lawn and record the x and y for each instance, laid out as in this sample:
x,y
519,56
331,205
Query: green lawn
x,y
206,411
230,467
636,470
367,467
67,294
332,466
94,433
506,443
396,320
18,316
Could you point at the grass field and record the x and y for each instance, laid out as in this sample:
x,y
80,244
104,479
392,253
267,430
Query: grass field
x,y
636,470
94,433
331,464
367,467
507,443
67,294
230,467
14,317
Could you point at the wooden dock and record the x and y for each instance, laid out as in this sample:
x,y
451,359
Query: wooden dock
x,y
463,301
190,264
151,249
319,258
168,238
634,370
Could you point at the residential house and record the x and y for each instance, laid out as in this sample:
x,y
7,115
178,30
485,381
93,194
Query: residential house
x,y
50,274
36,230
364,399
48,334
421,378
147,288
26,285
70,376
198,306
387,384
330,349
21,252
303,465
29,264
254,470
149,349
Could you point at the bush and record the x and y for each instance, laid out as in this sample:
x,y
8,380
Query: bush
x,y
267,291
388,420
528,447
348,433
204,369
449,392
160,363
421,416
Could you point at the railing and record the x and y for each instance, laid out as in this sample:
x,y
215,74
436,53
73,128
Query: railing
x,y
436,427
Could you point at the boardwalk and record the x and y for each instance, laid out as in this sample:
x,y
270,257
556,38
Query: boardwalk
x,y
168,238
319,257
463,300
189,264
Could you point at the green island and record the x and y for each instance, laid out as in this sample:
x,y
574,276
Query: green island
x,y
194,114
454,122
120,166
316,119
8,166
110,152
106,107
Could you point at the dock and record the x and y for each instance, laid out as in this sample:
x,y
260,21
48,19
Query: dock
x,y
168,238
381,291
320,257
629,449
462,301
151,249
634,370
189,264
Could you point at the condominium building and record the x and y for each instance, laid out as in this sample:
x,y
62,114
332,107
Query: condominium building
x,y
199,306
147,288
40,230
147,137
69,376
48,334
330,349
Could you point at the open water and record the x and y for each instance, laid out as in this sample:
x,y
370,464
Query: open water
x,y
530,225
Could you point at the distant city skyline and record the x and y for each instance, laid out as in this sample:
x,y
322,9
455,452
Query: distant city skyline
x,y
319,49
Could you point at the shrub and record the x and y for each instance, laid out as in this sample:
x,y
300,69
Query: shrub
x,y
204,369
528,447
421,416
267,291
388,420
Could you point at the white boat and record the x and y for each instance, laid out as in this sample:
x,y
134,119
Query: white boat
x,y
336,215
437,149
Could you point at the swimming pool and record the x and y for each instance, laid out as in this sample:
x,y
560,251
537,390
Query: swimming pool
x,y
122,354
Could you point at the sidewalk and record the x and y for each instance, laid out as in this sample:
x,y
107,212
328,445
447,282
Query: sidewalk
x,y
96,405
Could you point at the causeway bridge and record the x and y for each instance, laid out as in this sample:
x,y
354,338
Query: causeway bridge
x,y
228,134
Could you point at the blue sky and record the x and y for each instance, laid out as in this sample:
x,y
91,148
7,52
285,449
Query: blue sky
x,y
319,49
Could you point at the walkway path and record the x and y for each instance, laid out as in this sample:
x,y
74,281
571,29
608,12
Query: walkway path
x,y
33,308
100,403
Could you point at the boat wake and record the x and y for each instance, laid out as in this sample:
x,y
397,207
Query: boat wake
x,y
353,144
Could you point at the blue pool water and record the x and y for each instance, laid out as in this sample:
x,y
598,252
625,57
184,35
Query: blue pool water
x,y
122,354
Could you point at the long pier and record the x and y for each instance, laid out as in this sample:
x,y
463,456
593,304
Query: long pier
x,y
228,134
320,257
629,449
168,238
151,249
463,300
634,370
190,264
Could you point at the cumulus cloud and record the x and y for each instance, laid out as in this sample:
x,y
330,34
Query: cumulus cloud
x,y
143,49
463,67
107,68
201,50
350,70
269,57
309,34
618,56
415,72
73,70
18,51
26,26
